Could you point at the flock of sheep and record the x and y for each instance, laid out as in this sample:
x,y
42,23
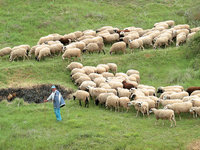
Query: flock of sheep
x,y
119,91
76,43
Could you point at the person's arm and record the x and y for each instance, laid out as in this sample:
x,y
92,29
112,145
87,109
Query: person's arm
x,y
50,97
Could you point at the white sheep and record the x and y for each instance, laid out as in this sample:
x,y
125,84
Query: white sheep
x,y
43,53
101,99
80,80
20,52
99,80
179,107
119,46
179,95
94,92
74,65
89,69
94,75
93,47
72,52
163,40
112,67
85,84
82,96
5,51
123,103
195,111
112,101
123,92
181,38
166,102
164,114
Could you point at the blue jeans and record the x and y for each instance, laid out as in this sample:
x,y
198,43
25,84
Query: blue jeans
x,y
57,112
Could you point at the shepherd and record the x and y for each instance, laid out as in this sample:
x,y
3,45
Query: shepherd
x,y
58,102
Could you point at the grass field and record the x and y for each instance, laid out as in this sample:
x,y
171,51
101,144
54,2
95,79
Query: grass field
x,y
34,126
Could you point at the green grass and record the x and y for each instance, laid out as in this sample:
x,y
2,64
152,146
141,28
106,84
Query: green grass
x,y
34,126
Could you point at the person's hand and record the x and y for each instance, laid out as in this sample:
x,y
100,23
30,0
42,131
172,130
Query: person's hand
x,y
45,101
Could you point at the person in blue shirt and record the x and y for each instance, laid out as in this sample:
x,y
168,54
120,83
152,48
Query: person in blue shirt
x,y
58,102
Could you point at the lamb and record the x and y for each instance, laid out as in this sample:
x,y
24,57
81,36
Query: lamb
x,y
123,92
123,102
43,53
112,101
101,99
20,52
180,38
85,84
119,46
193,88
82,96
72,52
5,51
112,67
195,111
74,65
179,107
166,114
93,47
179,95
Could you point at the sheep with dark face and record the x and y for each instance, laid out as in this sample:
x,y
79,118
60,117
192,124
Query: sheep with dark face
x,y
82,96
193,88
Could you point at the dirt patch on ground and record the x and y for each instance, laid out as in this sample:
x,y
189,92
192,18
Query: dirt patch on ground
x,y
194,145
35,93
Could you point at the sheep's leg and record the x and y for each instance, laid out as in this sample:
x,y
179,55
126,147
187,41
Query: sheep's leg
x,y
137,113
171,122
196,115
179,116
80,103
103,51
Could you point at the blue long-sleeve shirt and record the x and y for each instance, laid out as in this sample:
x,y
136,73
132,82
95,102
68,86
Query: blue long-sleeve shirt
x,y
56,98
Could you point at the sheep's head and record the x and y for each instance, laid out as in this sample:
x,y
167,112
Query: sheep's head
x,y
152,110
132,97
160,90
130,103
74,97
192,110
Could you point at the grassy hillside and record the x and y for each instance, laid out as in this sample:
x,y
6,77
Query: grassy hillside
x,y
34,127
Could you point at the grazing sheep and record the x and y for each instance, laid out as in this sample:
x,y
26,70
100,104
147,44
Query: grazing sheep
x,y
119,46
82,96
100,69
190,36
189,98
78,34
112,67
104,66
161,41
132,71
85,84
196,102
136,93
193,88
179,95
43,53
140,106
72,52
115,84
175,88
112,101
181,38
56,48
179,107
32,51
123,92
164,114
80,80
37,50
89,69
107,74
93,47
99,80
45,39
94,76
195,29
133,45
195,111
105,85
182,26
76,70
20,52
94,92
5,51
78,75
123,102
74,65
166,102
147,40
111,38
195,92
101,99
